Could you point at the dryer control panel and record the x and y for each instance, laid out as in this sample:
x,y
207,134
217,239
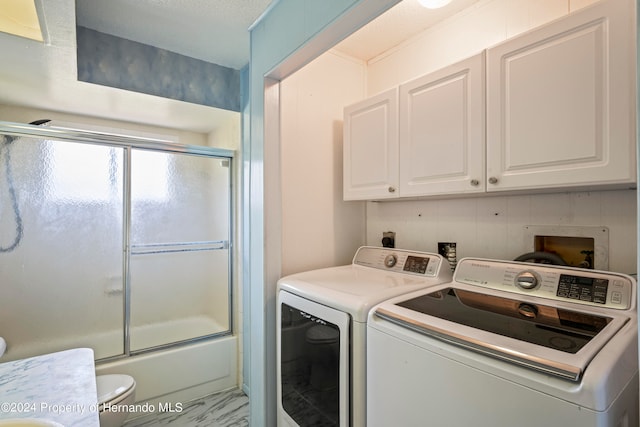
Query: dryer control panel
x,y
423,264
575,285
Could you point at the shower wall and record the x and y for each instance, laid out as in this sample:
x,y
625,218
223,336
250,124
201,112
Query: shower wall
x,y
65,282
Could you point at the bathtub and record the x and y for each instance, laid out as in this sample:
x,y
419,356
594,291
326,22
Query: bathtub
x,y
172,375
182,373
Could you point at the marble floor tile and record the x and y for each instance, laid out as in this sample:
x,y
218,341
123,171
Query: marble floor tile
x,y
226,409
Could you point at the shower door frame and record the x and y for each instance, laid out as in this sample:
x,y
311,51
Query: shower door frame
x,y
128,143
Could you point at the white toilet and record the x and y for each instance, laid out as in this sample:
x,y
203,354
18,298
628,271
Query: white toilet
x,y
114,390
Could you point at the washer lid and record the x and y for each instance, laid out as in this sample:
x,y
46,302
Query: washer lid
x,y
111,386
554,339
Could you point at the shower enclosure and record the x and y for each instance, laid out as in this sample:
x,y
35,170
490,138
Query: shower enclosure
x,y
117,243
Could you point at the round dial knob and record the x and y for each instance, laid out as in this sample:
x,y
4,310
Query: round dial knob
x,y
526,280
390,260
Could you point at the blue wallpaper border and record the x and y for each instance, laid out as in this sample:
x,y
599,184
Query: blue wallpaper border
x,y
124,64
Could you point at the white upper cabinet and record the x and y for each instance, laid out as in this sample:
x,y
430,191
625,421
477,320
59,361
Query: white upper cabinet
x,y
442,132
371,148
561,103
553,109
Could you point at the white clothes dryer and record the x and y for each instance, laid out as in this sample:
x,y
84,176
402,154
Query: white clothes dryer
x,y
321,331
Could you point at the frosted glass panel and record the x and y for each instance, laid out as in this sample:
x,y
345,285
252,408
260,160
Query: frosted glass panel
x,y
179,247
178,296
65,216
61,240
178,198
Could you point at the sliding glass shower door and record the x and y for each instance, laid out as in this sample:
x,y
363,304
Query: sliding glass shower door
x,y
179,271
61,246
122,247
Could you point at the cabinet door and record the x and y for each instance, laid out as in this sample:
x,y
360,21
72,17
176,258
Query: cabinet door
x,y
371,148
442,133
561,103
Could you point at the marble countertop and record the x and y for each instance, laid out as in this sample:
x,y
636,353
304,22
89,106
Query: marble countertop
x,y
59,386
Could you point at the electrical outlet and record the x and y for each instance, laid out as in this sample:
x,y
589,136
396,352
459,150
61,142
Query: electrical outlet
x,y
389,239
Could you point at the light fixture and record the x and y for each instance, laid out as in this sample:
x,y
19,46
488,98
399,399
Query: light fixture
x,y
19,17
434,4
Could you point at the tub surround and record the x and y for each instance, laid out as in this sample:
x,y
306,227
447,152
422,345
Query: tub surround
x,y
188,372
59,386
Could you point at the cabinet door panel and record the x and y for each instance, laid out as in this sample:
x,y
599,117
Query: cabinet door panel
x,y
442,131
561,111
371,148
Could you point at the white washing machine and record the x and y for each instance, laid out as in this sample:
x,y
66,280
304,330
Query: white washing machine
x,y
321,334
507,344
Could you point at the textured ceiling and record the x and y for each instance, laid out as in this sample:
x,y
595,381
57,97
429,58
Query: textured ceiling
x,y
217,30
211,30
43,75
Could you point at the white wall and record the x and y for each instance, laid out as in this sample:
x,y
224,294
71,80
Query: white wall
x,y
319,229
485,24
229,136
490,226
493,226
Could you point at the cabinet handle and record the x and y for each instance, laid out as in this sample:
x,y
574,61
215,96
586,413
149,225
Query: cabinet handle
x,y
493,180
475,182
392,190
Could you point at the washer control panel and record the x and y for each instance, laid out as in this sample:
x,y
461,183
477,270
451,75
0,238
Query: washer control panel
x,y
401,261
588,287
585,288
